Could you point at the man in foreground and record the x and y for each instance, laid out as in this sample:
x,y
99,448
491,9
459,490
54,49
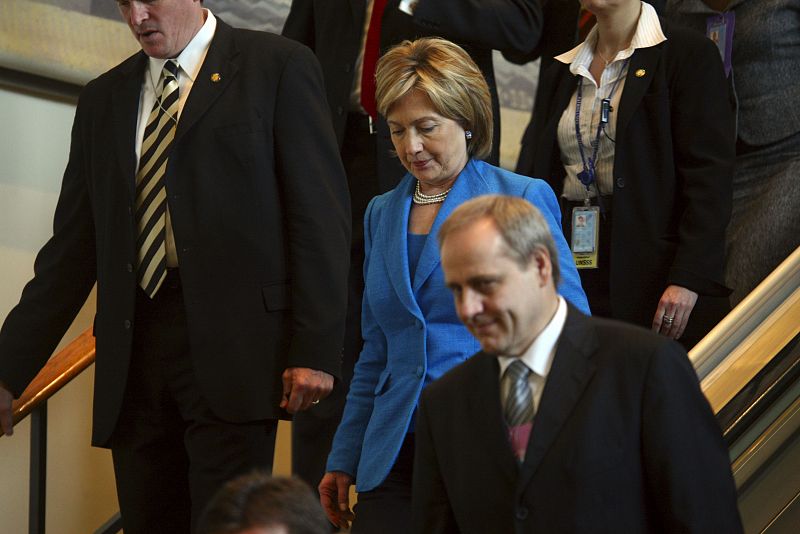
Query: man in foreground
x,y
562,422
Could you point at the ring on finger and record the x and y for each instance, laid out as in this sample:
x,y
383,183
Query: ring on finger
x,y
315,402
668,320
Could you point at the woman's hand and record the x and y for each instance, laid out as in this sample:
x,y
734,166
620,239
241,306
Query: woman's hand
x,y
672,313
334,495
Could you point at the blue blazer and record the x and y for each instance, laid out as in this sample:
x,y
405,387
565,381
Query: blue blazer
x,y
412,334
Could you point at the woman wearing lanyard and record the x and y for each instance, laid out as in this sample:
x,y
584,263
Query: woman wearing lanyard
x,y
634,130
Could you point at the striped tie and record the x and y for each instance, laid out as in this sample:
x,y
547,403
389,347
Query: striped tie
x,y
151,194
518,407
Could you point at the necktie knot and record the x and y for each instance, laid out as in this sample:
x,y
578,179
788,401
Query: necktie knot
x,y
171,69
518,407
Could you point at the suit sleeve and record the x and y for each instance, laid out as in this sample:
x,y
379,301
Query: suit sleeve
x,y
64,273
299,25
540,195
687,469
703,135
512,26
317,208
431,512
347,443
559,25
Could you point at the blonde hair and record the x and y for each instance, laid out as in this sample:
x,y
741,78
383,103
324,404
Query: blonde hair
x,y
445,72
520,224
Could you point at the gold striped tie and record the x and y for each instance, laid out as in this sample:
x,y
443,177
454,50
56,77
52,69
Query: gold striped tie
x,y
151,193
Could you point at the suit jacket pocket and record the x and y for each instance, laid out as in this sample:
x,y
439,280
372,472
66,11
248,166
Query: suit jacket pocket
x,y
244,148
239,128
277,296
588,461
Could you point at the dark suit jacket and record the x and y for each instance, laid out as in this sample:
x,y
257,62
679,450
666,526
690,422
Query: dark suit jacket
x,y
673,166
334,28
259,209
623,441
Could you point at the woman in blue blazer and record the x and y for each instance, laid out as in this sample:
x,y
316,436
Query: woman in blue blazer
x,y
438,108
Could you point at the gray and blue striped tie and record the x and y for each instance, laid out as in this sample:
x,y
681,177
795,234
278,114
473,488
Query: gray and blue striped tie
x,y
518,406
151,193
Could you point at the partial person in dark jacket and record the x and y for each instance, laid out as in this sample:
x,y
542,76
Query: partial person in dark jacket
x,y
657,140
760,46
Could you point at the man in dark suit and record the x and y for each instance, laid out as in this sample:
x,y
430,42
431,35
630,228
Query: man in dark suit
x,y
337,31
563,423
206,197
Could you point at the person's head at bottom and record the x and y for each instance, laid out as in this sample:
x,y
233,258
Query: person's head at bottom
x,y
258,503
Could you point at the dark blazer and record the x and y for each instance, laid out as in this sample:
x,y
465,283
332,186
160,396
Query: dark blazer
x,y
673,167
259,209
623,441
334,28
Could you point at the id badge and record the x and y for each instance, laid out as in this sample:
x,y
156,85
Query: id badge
x,y
585,236
719,28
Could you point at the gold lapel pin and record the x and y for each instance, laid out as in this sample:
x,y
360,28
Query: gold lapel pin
x,y
640,73
217,77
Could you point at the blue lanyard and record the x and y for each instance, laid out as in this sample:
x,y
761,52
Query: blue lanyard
x,y
587,175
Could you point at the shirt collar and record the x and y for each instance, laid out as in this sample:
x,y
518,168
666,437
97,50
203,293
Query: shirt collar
x,y
539,356
191,58
648,33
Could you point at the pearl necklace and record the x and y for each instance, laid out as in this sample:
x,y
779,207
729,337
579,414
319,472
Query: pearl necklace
x,y
423,199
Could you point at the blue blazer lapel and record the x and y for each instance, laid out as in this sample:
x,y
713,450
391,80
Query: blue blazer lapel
x,y
125,105
469,184
571,371
394,242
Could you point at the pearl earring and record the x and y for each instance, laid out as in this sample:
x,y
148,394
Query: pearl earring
x,y
468,134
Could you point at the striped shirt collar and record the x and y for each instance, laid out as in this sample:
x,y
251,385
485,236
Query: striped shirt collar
x,y
648,33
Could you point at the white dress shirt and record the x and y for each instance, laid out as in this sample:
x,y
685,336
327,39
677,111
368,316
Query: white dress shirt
x,y
539,356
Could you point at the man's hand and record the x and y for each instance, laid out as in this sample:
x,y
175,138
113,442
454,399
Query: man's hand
x,y
303,387
672,313
334,494
6,421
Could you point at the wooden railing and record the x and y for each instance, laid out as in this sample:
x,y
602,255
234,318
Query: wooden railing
x,y
59,370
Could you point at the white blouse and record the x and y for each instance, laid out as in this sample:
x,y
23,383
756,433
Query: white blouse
x,y
612,83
